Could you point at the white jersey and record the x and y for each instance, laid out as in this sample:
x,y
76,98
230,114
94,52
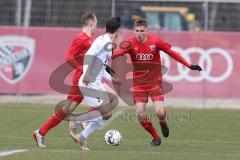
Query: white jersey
x,y
95,94
101,50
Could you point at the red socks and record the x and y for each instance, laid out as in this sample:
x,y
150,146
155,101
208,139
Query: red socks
x,y
53,121
162,119
56,119
147,125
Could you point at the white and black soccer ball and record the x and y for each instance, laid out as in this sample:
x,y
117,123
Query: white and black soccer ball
x,y
113,137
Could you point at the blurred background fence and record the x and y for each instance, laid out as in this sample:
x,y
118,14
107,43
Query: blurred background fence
x,y
213,15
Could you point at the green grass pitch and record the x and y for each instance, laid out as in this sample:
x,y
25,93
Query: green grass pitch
x,y
196,134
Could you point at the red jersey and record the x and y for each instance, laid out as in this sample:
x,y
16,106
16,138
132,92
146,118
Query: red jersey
x,y
78,48
146,58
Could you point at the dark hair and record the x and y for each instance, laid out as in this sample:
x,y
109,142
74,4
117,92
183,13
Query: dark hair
x,y
141,22
86,17
113,24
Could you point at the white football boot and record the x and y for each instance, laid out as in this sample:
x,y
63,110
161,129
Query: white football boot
x,y
83,142
39,139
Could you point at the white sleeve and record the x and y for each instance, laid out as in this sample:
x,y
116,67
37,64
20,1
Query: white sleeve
x,y
92,63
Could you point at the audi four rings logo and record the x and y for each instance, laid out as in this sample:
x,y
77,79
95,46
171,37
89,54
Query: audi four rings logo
x,y
144,57
205,58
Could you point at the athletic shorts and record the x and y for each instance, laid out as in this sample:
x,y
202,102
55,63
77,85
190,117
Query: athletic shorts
x,y
74,93
94,93
141,93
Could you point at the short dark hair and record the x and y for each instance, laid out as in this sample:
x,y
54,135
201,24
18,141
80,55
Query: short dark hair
x,y
113,24
86,17
141,22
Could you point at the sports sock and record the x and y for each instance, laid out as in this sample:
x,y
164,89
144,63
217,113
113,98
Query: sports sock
x,y
147,125
162,118
53,121
91,127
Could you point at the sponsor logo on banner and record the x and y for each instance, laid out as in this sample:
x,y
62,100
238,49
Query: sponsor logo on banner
x,y
205,60
16,55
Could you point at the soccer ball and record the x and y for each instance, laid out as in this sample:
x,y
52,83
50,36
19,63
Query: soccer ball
x,y
112,137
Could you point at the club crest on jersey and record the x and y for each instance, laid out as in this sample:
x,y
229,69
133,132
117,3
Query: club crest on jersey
x,y
152,48
16,55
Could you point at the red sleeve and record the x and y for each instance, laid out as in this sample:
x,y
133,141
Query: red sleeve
x,y
177,57
124,48
162,45
166,47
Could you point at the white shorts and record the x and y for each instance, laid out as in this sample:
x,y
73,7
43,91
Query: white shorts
x,y
94,93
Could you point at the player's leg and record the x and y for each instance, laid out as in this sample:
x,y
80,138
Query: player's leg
x,y
95,95
94,119
104,111
140,99
73,125
162,114
146,123
62,109
158,101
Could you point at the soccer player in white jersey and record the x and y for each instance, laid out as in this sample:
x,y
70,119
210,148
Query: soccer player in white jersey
x,y
90,83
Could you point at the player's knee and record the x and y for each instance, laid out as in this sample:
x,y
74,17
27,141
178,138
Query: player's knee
x,y
70,111
158,112
140,113
68,106
113,99
107,115
61,106
114,102
66,110
72,107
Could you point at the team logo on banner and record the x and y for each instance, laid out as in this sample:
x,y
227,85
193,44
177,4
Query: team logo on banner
x,y
16,55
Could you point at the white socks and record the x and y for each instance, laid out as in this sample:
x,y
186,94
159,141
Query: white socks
x,y
91,127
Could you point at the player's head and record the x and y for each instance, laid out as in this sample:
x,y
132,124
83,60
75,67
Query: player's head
x,y
89,20
113,26
140,29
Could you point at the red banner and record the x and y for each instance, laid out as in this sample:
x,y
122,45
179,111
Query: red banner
x,y
28,56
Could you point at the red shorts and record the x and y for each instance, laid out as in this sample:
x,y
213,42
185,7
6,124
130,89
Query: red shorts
x,y
74,93
141,93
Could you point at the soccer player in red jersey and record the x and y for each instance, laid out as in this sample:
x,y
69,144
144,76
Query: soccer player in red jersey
x,y
147,78
74,57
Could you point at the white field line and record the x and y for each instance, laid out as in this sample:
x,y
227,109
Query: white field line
x,y
8,153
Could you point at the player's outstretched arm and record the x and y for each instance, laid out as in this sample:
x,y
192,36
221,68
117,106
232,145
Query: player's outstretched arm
x,y
118,52
180,59
124,48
